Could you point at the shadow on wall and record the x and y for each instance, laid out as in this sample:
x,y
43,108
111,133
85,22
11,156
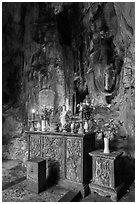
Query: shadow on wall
x,y
128,170
128,174
127,146
53,173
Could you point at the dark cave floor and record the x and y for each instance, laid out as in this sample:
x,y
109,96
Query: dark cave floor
x,y
128,196
14,188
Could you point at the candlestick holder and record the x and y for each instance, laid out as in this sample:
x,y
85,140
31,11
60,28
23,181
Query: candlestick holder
x,y
32,128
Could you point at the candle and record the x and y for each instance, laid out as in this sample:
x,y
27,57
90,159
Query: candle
x,y
33,114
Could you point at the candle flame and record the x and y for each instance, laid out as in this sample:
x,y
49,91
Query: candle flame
x,y
33,110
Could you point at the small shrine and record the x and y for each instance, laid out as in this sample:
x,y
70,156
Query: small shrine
x,y
68,101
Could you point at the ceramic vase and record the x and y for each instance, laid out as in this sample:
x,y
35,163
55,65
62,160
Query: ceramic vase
x,y
43,125
38,126
72,127
106,145
86,126
81,130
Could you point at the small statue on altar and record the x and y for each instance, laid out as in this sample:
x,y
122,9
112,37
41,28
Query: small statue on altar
x,y
81,111
63,117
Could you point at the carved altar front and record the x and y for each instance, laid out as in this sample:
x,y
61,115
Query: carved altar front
x,y
69,154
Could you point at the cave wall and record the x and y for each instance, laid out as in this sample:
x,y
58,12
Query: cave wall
x,y
45,76
61,52
48,61
13,125
126,96
107,44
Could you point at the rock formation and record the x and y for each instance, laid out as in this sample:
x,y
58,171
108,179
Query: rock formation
x,y
68,50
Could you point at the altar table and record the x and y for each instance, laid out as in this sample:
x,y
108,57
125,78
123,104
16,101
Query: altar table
x,y
68,152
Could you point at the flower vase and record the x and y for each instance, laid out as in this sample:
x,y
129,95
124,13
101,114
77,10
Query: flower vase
x,y
43,125
38,126
106,145
86,126
81,130
32,128
72,127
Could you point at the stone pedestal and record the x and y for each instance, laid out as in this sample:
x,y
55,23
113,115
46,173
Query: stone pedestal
x,y
106,169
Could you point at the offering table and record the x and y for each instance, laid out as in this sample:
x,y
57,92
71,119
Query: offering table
x,y
68,153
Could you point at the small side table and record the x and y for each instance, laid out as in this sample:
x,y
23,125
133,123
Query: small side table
x,y
106,173
36,175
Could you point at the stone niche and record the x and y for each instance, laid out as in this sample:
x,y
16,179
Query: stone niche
x,y
48,69
47,98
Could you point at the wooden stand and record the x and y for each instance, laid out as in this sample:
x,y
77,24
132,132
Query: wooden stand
x,y
36,175
106,180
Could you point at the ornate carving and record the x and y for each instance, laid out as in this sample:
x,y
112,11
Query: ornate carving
x,y
53,148
102,173
35,146
48,147
66,157
106,172
74,160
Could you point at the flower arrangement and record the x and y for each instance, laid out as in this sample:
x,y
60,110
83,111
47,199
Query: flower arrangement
x,y
85,110
106,129
47,112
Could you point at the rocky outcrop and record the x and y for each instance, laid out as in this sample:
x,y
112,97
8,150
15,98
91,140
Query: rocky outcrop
x,y
68,50
108,50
